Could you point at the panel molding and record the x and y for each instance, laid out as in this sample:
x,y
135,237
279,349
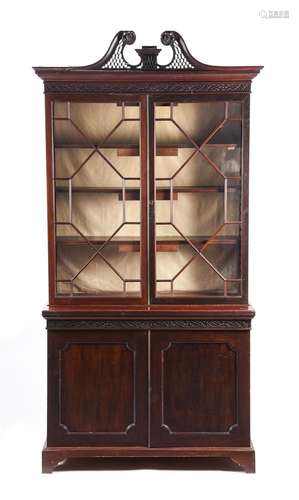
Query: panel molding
x,y
66,347
150,324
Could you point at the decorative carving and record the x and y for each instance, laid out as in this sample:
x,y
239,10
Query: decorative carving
x,y
148,55
114,58
167,37
151,324
181,58
150,87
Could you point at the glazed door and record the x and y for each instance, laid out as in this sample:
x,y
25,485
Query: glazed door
x,y
199,389
97,388
98,169
97,224
198,203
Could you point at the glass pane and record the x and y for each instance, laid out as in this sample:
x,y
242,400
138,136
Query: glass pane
x,y
198,199
97,198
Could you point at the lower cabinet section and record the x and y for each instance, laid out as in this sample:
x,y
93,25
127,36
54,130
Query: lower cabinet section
x,y
97,388
148,389
199,389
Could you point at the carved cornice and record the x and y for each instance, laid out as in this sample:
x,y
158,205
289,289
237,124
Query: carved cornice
x,y
114,59
148,87
150,324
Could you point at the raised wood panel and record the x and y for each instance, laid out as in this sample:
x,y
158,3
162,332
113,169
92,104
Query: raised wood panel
x,y
199,389
97,391
97,387
205,399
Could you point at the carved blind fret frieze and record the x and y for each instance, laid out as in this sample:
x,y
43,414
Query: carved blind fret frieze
x,y
148,87
105,324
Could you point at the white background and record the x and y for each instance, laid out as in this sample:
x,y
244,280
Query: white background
x,y
62,33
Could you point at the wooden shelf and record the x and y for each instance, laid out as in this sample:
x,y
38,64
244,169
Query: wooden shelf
x,y
128,244
92,146
133,193
133,150
191,294
130,193
175,293
100,294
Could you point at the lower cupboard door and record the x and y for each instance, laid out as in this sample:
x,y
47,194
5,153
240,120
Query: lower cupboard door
x,y
97,388
199,389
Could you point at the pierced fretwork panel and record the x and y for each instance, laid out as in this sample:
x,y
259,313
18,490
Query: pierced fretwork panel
x,y
198,199
97,198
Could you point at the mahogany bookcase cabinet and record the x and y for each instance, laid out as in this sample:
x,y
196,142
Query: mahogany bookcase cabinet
x,y
148,319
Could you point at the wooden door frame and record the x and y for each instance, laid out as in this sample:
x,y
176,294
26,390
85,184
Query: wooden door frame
x,y
245,100
96,301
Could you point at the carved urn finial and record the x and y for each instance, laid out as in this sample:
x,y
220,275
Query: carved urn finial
x,y
148,55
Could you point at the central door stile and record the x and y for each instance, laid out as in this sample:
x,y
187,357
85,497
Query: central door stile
x,y
149,388
151,199
144,199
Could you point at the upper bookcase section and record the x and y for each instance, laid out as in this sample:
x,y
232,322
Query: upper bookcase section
x,y
114,73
